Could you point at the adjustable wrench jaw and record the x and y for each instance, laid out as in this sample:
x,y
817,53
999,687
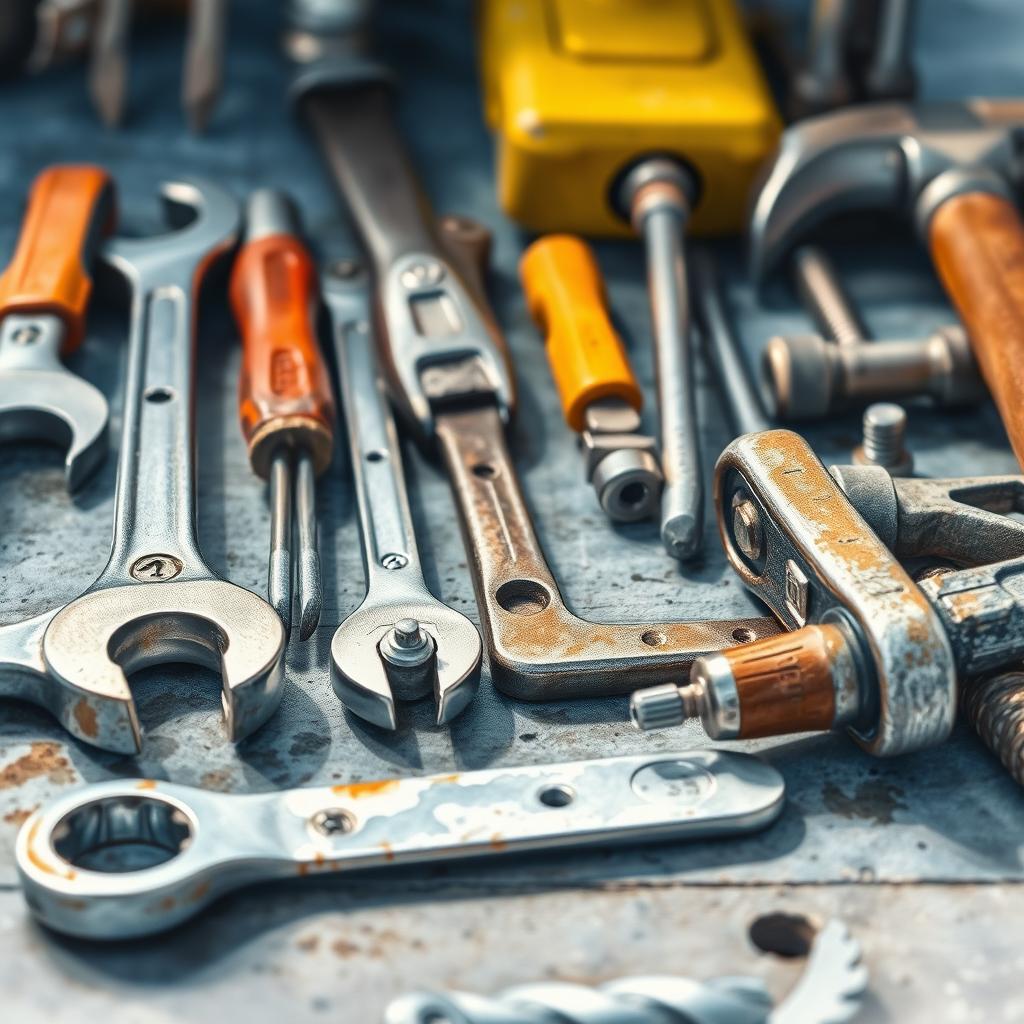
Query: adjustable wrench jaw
x,y
157,601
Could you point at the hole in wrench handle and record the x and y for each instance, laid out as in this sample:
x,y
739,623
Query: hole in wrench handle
x,y
208,843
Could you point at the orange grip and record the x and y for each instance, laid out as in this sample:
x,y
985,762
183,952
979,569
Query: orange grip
x,y
977,245
785,683
566,298
284,391
70,208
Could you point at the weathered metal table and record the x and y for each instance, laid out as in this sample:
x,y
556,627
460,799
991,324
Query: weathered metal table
x,y
921,856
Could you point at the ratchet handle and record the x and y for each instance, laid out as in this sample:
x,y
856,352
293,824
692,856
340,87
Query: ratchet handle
x,y
977,244
70,208
566,297
284,391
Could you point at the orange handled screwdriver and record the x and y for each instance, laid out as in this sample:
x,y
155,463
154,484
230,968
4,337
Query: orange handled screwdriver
x,y
284,393
600,396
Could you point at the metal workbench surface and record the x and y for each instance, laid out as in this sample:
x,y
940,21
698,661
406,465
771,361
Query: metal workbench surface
x,y
922,856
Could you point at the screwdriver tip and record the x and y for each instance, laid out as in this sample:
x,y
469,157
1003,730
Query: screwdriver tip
x,y
310,594
107,87
279,586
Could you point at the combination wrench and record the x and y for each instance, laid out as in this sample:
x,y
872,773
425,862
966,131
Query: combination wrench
x,y
132,857
401,641
156,601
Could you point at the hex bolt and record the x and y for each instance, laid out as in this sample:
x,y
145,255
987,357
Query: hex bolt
x,y
885,427
746,527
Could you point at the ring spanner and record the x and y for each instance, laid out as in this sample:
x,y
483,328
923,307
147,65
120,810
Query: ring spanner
x,y
156,601
43,295
74,854
401,641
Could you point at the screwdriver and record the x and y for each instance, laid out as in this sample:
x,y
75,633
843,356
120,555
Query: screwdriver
x,y
284,393
600,397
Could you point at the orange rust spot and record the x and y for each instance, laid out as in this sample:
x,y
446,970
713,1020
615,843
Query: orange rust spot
x,y
18,816
355,790
43,758
389,852
308,943
85,716
441,780
498,843
44,865
146,784
218,779
167,903
303,869
344,948
199,892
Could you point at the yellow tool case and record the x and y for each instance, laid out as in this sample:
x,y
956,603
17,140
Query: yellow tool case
x,y
577,90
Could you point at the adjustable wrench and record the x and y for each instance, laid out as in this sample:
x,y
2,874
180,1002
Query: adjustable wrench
x,y
449,373
156,601
401,641
43,295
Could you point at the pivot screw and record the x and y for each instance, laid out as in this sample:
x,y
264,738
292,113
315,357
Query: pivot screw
x,y
332,821
746,527
394,561
885,427
407,644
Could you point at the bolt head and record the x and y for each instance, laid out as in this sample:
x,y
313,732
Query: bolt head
x,y
408,634
332,821
746,528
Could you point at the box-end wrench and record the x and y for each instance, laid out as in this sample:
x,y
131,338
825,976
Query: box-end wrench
x,y
43,295
156,601
202,844
401,642
448,371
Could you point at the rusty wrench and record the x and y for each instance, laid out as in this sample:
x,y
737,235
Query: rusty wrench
x,y
156,601
43,295
401,641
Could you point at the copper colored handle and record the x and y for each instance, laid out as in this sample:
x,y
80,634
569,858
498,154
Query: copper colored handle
x,y
69,209
284,391
977,245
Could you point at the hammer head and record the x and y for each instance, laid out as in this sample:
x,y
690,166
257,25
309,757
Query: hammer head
x,y
880,156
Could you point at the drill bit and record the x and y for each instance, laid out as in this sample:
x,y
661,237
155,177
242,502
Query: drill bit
x,y
108,62
204,57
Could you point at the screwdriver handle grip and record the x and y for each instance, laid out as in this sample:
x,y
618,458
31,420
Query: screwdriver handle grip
x,y
70,208
566,298
284,391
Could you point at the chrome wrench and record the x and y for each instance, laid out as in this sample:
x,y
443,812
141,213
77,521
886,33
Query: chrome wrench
x,y
401,641
156,601
74,854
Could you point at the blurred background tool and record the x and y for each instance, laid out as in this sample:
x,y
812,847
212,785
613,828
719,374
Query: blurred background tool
x,y
203,62
285,401
600,397
43,295
642,115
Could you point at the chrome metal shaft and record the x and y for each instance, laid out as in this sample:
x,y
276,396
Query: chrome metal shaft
x,y
279,581
310,591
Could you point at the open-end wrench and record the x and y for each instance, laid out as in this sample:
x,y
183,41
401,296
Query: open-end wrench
x,y
75,855
156,601
43,295
401,641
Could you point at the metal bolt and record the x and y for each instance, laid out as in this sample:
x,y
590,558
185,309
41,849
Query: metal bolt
x,y
420,274
27,335
408,634
746,527
394,561
332,821
885,426
407,645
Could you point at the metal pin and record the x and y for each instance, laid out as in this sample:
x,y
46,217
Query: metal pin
x,y
108,61
310,592
279,582
204,58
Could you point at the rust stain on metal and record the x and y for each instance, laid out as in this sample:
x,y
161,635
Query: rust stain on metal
x,y
199,892
355,790
218,779
146,784
18,816
44,758
85,715
443,780
308,944
388,850
40,862
344,949
497,842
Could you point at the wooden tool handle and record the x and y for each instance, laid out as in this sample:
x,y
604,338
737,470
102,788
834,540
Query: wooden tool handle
x,y
284,391
566,297
70,208
977,245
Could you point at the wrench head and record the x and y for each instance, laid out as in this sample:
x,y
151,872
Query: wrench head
x,y
56,406
95,641
367,685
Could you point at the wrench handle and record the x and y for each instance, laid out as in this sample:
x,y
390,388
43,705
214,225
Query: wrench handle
x,y
977,244
566,297
70,208
284,391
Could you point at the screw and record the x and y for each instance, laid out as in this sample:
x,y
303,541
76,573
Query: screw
x,y
394,561
156,568
746,527
332,821
420,274
885,425
27,335
407,645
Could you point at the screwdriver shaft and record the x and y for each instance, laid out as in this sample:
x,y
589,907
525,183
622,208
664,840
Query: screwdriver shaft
x,y
204,57
279,582
108,63
310,593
